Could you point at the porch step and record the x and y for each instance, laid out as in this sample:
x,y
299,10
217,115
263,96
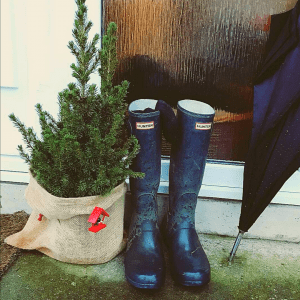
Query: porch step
x,y
262,269
213,216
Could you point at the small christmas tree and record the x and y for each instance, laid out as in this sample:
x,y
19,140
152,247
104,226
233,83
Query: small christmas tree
x,y
86,152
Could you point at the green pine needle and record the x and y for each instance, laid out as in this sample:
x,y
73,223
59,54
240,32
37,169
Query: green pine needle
x,y
84,152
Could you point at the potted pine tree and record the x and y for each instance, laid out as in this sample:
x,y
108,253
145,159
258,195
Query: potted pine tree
x,y
79,165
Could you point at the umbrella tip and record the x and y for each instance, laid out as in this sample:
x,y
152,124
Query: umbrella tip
x,y
230,258
235,246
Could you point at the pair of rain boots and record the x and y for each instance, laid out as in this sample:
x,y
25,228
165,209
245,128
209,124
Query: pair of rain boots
x,y
189,134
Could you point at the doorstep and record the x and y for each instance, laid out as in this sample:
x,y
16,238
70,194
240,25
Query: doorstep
x,y
213,216
262,269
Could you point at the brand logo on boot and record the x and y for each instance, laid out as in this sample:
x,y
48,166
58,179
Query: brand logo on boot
x,y
144,125
203,126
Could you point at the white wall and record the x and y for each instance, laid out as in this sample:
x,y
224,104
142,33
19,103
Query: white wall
x,y
37,60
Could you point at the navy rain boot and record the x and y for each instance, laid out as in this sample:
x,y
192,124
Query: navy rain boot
x,y
189,263
144,261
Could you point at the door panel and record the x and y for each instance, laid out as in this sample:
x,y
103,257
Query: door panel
x,y
205,50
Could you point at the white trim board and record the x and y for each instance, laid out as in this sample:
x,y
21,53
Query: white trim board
x,y
222,179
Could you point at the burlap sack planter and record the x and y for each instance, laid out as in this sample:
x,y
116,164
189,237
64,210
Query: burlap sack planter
x,y
63,231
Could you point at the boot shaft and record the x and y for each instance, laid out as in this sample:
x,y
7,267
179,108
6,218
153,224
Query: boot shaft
x,y
189,154
188,159
146,127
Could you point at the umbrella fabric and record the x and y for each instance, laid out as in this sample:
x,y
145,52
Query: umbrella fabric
x,y
274,152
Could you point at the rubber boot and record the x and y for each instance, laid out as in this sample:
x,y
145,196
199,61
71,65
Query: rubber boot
x,y
144,261
189,263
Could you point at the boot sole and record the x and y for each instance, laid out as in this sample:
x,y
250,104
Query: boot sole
x,y
144,285
190,283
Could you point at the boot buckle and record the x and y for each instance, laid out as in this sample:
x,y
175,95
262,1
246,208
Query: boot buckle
x,y
95,219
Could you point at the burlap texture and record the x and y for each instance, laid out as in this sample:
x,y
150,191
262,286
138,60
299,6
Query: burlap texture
x,y
63,232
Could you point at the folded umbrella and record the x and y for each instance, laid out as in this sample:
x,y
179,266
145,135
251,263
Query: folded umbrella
x,y
274,152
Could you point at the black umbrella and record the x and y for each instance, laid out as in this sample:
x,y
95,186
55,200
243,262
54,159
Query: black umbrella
x,y
274,152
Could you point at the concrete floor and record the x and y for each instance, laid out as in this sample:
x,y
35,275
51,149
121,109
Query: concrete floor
x,y
262,269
